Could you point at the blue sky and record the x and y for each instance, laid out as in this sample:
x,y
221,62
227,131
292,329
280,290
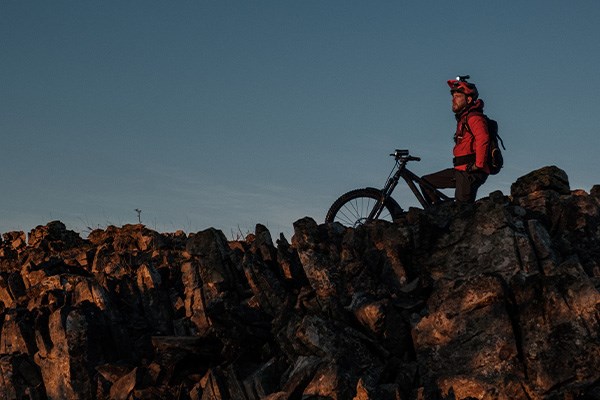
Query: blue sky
x,y
230,113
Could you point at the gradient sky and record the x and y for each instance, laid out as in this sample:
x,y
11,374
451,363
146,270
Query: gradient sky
x,y
230,113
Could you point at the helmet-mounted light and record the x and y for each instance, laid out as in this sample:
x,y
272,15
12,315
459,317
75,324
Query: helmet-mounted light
x,y
461,85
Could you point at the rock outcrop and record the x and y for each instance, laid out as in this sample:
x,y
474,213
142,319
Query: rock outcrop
x,y
497,300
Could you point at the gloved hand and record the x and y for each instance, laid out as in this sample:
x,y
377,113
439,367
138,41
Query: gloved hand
x,y
472,168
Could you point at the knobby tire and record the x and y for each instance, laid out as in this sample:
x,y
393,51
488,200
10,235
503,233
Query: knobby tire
x,y
352,208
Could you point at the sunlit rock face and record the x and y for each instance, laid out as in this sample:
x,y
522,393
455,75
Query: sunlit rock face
x,y
496,300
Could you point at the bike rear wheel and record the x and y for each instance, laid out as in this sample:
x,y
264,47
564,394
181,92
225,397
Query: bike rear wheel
x,y
353,208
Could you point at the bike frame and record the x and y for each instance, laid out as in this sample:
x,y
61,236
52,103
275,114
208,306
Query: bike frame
x,y
402,157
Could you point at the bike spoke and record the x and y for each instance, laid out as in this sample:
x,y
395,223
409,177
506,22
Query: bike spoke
x,y
358,210
344,218
350,214
354,208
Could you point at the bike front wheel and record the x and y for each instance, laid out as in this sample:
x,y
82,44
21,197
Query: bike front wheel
x,y
353,208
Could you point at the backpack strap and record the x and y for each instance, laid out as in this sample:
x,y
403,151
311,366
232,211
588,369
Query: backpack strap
x,y
499,139
465,124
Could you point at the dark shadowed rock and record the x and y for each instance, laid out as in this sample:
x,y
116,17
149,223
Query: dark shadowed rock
x,y
124,387
195,304
213,265
20,378
495,300
318,248
17,334
559,326
267,287
15,240
548,178
466,341
155,301
289,262
54,236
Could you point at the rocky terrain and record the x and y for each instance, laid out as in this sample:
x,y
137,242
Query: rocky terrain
x,y
498,300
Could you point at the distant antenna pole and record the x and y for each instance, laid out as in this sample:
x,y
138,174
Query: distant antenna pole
x,y
139,214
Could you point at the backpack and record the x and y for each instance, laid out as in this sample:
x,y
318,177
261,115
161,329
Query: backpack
x,y
495,159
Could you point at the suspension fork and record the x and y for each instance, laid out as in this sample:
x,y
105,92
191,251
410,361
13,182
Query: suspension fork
x,y
386,192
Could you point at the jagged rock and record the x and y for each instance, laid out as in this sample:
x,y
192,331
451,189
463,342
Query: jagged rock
x,y
215,386
319,252
330,381
482,236
112,372
226,383
12,288
374,255
213,265
540,193
276,396
128,238
262,245
495,300
72,343
155,302
20,378
578,230
371,314
54,236
266,286
15,240
289,262
16,336
124,386
265,380
466,342
559,327
546,178
195,305
300,374
595,191
175,354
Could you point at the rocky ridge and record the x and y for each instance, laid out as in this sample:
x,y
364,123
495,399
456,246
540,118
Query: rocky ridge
x,y
498,300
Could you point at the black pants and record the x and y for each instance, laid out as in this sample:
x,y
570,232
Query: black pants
x,y
466,184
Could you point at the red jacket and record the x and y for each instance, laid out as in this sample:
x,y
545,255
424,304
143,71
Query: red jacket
x,y
476,143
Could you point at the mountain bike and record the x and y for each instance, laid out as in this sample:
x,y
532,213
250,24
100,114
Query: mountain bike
x,y
360,206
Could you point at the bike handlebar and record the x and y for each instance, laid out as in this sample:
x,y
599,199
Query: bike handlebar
x,y
404,155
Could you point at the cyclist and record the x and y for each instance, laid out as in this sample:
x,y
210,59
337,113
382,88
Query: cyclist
x,y
471,141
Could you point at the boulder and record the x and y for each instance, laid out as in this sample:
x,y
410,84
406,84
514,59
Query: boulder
x,y
549,178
